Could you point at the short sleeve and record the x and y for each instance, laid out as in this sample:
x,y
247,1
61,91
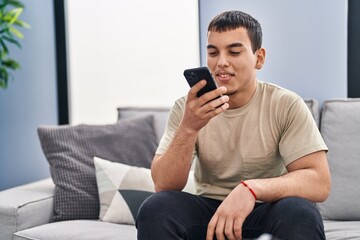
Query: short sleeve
x,y
300,134
174,119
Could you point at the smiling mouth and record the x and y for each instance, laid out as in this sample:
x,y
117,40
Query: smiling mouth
x,y
224,76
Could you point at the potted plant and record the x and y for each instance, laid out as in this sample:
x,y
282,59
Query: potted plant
x,y
10,10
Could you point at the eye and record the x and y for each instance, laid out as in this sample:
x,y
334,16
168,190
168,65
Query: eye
x,y
212,53
234,53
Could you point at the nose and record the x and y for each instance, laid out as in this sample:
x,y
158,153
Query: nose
x,y
223,62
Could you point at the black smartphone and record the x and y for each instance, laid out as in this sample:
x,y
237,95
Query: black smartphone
x,y
194,75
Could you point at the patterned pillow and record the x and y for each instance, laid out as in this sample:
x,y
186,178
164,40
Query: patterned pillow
x,y
160,116
122,189
70,151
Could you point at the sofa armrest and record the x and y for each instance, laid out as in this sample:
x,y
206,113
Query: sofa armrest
x,y
25,206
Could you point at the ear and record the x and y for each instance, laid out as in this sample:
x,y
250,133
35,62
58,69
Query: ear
x,y
260,54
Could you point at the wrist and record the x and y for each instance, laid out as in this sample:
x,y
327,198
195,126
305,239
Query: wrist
x,y
190,132
249,189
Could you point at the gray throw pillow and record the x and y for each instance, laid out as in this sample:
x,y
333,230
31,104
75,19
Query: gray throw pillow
x,y
313,105
70,151
160,116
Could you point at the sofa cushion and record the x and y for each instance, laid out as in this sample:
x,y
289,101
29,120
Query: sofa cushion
x,y
70,151
78,230
340,230
25,206
340,128
122,189
160,116
313,105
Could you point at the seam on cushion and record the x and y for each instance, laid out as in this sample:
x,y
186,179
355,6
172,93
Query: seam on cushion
x,y
35,201
322,116
16,220
325,110
14,214
342,100
24,237
21,206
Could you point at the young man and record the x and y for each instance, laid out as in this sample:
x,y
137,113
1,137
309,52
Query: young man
x,y
260,160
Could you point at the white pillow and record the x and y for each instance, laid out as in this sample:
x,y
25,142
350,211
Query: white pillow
x,y
123,188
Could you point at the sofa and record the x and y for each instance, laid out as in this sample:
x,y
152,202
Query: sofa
x,y
27,211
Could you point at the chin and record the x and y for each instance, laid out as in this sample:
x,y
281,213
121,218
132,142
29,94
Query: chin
x,y
230,93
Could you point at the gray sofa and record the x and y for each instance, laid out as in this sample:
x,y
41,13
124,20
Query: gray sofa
x,y
26,211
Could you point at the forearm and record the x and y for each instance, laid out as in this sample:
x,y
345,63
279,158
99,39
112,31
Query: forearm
x,y
312,183
303,184
170,170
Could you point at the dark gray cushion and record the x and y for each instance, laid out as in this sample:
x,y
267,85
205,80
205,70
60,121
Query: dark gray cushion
x,y
340,128
313,105
70,151
160,116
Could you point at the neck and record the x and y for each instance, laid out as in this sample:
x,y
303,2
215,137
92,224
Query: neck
x,y
242,97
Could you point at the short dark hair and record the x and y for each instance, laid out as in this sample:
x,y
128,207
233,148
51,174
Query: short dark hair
x,y
231,20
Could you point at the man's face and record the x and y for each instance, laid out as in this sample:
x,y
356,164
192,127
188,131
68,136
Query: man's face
x,y
232,62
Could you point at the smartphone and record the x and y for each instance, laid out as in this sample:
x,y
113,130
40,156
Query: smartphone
x,y
194,75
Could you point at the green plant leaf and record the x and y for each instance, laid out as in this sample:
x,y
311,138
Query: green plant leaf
x,y
10,11
12,40
6,29
3,83
22,24
14,3
11,63
15,14
4,47
16,32
4,76
11,16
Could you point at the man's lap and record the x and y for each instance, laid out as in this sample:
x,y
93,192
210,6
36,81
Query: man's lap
x,y
186,216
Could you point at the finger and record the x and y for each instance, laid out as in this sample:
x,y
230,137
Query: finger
x,y
237,228
194,89
229,229
207,97
216,102
220,228
217,111
211,228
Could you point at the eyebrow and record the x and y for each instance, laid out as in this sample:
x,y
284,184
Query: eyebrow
x,y
210,46
235,45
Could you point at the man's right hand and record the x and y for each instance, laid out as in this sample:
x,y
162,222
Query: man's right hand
x,y
170,170
199,111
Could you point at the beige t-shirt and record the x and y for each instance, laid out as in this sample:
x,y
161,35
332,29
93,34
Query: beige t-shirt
x,y
257,140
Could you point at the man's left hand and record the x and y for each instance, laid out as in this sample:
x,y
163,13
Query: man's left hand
x,y
231,214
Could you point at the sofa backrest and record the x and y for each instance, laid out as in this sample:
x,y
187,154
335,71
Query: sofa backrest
x,y
160,116
313,106
340,128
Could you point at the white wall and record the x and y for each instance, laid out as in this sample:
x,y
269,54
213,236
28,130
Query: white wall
x,y
128,53
306,42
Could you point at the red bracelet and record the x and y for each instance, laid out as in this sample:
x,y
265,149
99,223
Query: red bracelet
x,y
252,191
